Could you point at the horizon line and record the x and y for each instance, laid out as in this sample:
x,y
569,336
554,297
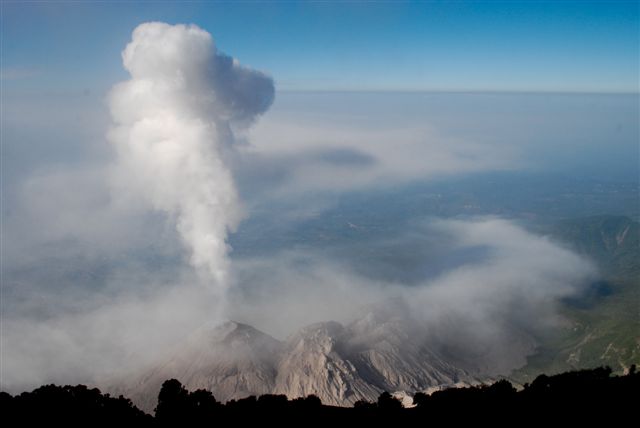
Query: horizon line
x,y
462,91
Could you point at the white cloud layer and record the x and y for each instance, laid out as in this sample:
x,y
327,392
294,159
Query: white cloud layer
x,y
482,311
479,306
325,154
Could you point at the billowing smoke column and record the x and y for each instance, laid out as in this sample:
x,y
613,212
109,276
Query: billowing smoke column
x,y
173,120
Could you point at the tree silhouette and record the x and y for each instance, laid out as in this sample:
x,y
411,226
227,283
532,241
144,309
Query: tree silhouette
x,y
420,399
364,405
388,402
71,405
172,402
579,397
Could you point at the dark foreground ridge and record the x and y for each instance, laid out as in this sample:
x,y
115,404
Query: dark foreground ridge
x,y
577,396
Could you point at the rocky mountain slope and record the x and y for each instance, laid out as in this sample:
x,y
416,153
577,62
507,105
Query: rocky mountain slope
x,y
340,364
233,360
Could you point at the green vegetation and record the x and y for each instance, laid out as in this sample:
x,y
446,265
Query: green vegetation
x,y
603,325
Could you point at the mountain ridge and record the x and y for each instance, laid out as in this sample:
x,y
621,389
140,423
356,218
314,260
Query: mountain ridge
x,y
341,364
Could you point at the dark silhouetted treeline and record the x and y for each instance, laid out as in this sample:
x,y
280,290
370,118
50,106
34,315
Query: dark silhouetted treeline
x,y
586,396
69,405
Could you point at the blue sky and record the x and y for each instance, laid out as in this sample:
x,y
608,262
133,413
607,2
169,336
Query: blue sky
x,y
459,46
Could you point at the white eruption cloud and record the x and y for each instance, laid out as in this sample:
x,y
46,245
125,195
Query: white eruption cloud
x,y
173,120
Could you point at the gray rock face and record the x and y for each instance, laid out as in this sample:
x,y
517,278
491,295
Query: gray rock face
x,y
340,364
233,360
315,361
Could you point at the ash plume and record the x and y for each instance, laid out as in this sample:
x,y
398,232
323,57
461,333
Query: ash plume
x,y
173,120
